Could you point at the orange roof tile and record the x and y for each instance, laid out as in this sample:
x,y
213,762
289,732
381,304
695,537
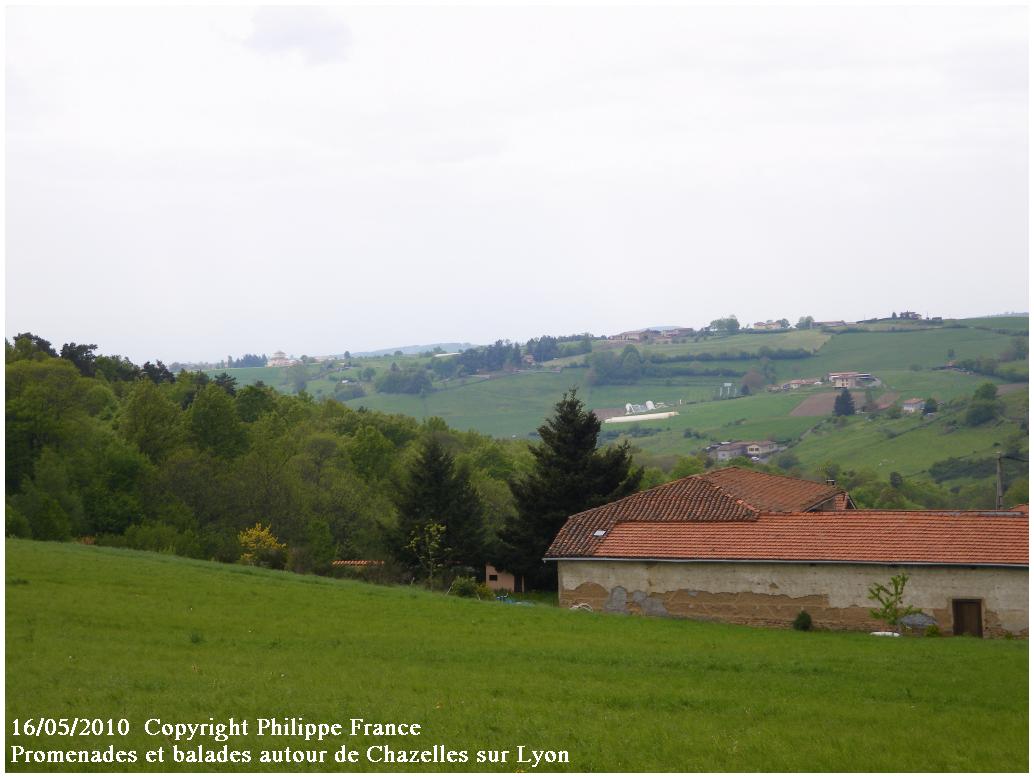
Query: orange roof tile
x,y
895,537
740,514
728,494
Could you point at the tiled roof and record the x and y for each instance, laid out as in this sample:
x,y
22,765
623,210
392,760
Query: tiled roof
x,y
767,492
728,494
898,537
740,514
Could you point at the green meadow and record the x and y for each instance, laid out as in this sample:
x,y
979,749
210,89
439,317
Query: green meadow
x,y
106,633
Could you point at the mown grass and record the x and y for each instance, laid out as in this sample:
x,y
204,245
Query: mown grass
x,y
110,633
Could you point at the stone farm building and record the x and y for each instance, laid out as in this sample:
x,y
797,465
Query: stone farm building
x,y
753,548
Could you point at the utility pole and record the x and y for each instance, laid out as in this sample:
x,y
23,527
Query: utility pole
x,y
998,484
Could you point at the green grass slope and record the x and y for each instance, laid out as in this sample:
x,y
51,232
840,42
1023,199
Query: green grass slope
x,y
106,633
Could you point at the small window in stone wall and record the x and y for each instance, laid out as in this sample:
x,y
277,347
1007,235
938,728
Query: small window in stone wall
x,y
493,577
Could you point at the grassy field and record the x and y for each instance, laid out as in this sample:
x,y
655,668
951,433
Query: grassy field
x,y
108,633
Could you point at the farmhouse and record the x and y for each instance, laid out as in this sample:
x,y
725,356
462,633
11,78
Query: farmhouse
x,y
727,451
797,383
914,405
752,548
634,336
280,359
849,379
758,448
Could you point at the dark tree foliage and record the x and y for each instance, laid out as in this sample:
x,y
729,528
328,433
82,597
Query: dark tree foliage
x,y
158,372
436,491
116,368
570,475
248,360
34,343
411,380
843,405
81,355
227,383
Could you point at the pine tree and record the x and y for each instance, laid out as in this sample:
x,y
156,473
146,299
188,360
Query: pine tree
x,y
569,476
436,491
844,404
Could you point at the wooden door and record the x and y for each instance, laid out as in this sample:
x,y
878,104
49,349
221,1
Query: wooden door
x,y
968,620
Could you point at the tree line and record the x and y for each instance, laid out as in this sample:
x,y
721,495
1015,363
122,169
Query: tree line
x,y
196,466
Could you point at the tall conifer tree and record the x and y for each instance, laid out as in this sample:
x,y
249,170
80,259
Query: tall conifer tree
x,y
569,476
436,491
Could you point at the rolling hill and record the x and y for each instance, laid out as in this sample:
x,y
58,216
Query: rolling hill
x,y
907,357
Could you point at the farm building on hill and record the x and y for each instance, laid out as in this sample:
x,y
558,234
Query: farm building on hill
x,y
849,379
753,548
280,359
914,405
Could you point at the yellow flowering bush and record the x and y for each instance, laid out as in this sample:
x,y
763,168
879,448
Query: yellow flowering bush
x,y
261,548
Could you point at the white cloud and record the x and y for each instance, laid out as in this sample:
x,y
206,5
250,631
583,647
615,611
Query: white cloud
x,y
310,31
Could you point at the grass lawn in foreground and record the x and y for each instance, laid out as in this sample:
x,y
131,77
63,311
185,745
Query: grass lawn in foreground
x,y
110,633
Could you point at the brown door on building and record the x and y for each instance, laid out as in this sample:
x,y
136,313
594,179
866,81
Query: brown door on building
x,y
967,618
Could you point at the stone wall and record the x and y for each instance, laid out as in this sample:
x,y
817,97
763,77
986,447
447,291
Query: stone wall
x,y
768,594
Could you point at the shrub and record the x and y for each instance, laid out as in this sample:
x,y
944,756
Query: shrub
x,y
980,412
932,631
261,548
803,621
464,586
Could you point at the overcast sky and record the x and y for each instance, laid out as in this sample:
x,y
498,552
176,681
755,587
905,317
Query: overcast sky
x,y
186,184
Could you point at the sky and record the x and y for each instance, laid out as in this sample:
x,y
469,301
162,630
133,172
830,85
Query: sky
x,y
186,184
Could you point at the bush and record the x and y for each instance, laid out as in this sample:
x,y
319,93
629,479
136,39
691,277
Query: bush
x,y
932,631
980,412
464,586
803,621
261,548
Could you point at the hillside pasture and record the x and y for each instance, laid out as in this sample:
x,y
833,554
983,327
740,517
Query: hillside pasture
x,y
101,632
908,445
873,352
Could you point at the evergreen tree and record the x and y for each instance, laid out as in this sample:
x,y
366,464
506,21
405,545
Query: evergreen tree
x,y
844,404
569,476
436,491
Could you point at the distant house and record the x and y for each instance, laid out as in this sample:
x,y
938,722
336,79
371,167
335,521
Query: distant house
x,y
914,405
759,448
528,359
797,383
280,359
740,546
607,413
727,451
849,379
500,580
634,336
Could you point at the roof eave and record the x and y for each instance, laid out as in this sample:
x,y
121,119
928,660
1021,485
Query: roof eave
x,y
883,563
